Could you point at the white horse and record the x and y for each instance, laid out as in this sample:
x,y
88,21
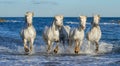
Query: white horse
x,y
94,35
28,34
51,34
77,34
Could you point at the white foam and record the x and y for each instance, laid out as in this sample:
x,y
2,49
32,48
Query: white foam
x,y
20,50
14,21
84,49
41,48
103,23
103,48
4,49
70,22
106,23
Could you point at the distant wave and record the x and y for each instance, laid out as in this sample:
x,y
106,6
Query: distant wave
x,y
7,33
13,21
72,22
103,23
109,23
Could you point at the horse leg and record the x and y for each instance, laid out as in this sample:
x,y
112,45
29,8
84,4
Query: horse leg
x,y
77,47
97,46
49,46
25,46
31,45
56,48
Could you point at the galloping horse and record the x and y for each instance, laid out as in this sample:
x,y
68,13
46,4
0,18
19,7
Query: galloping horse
x,y
51,34
28,34
77,34
94,35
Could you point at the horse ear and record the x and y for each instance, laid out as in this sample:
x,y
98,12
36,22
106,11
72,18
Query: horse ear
x,y
99,16
83,16
61,16
32,13
55,17
26,14
80,16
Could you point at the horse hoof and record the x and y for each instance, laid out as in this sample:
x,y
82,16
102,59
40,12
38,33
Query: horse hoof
x,y
26,49
76,52
96,51
55,51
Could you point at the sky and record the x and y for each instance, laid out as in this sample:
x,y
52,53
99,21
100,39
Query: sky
x,y
68,8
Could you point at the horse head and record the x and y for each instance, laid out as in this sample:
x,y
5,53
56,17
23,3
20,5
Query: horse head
x,y
28,18
59,21
96,20
83,21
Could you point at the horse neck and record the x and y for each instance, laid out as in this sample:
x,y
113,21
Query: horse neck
x,y
95,25
54,27
28,26
80,28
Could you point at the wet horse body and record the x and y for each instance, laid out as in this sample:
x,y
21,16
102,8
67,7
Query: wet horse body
x,y
28,34
51,34
94,35
77,34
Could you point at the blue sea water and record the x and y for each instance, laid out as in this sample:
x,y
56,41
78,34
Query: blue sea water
x,y
12,52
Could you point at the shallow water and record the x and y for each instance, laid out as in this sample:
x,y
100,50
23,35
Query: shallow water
x,y
12,52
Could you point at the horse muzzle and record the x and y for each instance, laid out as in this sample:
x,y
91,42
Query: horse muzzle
x,y
59,27
83,27
29,24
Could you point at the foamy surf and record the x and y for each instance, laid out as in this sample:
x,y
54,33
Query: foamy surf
x,y
84,49
103,48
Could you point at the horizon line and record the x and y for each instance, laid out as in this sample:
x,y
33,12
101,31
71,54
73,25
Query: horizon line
x,y
53,16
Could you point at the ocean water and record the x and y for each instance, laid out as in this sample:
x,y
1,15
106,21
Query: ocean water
x,y
12,52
